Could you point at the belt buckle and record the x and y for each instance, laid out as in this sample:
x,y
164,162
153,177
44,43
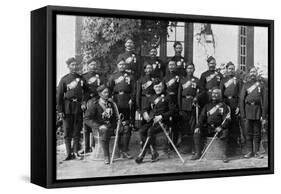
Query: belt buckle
x,y
229,97
74,100
252,103
121,93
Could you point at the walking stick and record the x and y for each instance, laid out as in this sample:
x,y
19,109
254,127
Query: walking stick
x,y
171,142
197,113
144,146
202,156
116,138
84,137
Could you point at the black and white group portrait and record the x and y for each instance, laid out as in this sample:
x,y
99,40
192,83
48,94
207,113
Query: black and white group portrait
x,y
141,96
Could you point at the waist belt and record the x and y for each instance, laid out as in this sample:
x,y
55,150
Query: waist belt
x,y
171,93
231,97
253,103
146,95
73,99
122,92
188,97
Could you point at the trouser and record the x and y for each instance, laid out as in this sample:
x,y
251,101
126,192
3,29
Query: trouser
x,y
233,134
72,124
187,122
87,132
149,130
105,135
253,135
200,138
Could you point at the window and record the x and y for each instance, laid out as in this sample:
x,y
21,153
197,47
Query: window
x,y
243,47
176,33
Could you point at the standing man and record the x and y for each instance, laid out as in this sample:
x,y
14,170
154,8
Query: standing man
x,y
252,107
131,59
122,85
171,81
179,59
94,79
231,87
189,90
102,118
70,97
145,87
214,118
159,68
158,109
210,79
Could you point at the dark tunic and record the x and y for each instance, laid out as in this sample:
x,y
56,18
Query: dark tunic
x,y
181,65
135,67
94,80
159,68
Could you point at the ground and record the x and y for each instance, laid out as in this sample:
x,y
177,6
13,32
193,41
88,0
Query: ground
x,y
89,168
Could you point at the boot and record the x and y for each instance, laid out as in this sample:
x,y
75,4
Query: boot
x,y
69,157
154,154
105,148
140,158
197,147
256,150
225,158
124,152
67,143
249,145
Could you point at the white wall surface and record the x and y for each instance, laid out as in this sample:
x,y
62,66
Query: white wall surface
x,y
15,96
261,49
65,42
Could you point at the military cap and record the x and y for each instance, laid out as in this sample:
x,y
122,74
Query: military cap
x,y
102,88
91,60
129,38
192,64
157,81
177,43
229,64
210,58
146,63
70,60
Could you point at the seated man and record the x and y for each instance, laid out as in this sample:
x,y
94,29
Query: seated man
x,y
102,118
158,109
214,118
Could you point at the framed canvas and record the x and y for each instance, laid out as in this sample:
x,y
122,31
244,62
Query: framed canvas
x,y
126,96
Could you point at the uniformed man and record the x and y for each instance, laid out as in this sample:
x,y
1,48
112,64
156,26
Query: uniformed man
x,y
179,59
159,68
131,59
214,118
70,93
145,87
189,90
231,87
171,81
252,107
210,79
159,108
102,117
122,85
94,78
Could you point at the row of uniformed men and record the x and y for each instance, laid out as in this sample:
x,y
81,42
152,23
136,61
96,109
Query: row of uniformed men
x,y
179,91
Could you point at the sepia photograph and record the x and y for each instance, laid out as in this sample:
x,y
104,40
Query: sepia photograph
x,y
140,96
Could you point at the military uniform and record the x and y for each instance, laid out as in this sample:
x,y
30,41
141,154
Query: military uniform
x,y
253,108
157,105
209,80
171,81
94,80
70,95
213,115
189,90
231,87
181,65
134,68
122,85
102,113
159,68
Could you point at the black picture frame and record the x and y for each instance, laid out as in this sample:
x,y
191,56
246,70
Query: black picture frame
x,y
43,89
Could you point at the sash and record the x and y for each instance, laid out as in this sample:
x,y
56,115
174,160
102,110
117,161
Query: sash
x,y
229,82
171,81
214,109
94,79
158,99
253,87
146,85
210,77
73,84
187,84
119,79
